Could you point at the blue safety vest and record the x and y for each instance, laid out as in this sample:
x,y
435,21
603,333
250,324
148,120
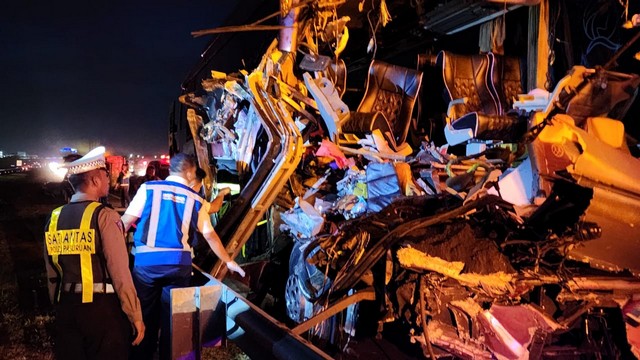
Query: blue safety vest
x,y
167,224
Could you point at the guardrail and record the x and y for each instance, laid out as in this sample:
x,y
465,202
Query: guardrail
x,y
203,316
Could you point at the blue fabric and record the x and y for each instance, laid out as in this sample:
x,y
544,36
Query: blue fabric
x,y
382,186
178,257
153,285
173,205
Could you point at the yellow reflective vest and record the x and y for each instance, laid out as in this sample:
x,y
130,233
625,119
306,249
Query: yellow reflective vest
x,y
74,247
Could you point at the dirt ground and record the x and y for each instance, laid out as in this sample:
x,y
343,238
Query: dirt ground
x,y
26,315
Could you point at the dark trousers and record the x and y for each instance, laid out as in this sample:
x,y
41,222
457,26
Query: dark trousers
x,y
125,199
153,284
96,330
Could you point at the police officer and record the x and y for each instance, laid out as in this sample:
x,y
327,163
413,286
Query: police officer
x,y
86,259
167,213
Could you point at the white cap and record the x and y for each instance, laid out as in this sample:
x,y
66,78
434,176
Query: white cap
x,y
92,161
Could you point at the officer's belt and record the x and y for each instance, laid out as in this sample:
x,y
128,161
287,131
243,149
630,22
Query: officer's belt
x,y
97,288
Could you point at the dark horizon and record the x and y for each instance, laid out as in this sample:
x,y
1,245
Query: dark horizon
x,y
78,74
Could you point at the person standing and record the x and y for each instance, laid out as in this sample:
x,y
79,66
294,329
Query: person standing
x,y
167,213
123,185
89,280
150,175
214,205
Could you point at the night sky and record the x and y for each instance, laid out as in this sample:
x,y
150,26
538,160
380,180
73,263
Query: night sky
x,y
85,73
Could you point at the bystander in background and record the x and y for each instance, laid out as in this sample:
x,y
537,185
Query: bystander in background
x,y
122,184
214,205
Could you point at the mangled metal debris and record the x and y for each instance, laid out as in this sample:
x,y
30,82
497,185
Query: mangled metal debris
x,y
493,253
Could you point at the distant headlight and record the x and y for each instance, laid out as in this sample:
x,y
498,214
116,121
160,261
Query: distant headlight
x,y
58,173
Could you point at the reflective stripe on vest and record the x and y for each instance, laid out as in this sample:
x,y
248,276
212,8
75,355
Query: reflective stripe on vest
x,y
53,225
169,217
56,249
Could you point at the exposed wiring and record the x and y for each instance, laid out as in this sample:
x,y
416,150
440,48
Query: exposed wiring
x,y
625,5
423,317
599,32
551,59
373,43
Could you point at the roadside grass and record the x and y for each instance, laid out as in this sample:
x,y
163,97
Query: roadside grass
x,y
23,335
25,332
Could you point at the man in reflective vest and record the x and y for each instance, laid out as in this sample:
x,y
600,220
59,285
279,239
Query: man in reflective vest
x,y
167,214
86,259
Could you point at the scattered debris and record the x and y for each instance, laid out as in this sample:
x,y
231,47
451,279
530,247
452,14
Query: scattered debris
x,y
471,252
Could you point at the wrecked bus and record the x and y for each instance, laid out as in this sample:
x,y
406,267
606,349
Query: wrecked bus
x,y
456,179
